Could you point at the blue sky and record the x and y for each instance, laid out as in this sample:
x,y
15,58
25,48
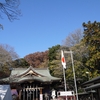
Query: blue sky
x,y
46,23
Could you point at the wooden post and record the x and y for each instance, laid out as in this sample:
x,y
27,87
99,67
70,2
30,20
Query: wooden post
x,y
30,92
27,92
36,93
33,92
20,93
24,93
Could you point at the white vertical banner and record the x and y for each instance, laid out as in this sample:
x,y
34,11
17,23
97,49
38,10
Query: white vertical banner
x,y
41,96
63,59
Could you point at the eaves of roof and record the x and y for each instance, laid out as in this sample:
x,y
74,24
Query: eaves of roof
x,y
91,81
32,79
93,86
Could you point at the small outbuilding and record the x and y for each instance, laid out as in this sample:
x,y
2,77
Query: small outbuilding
x,y
92,89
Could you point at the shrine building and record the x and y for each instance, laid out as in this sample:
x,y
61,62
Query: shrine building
x,y
31,83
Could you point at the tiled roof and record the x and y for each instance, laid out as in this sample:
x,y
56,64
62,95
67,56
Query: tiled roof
x,y
31,74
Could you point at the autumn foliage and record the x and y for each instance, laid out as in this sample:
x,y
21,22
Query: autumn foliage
x,y
38,59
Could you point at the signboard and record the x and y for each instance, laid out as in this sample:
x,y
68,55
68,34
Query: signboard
x,y
65,93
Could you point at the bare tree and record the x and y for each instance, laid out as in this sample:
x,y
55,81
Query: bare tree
x,y
73,38
1,27
7,54
10,9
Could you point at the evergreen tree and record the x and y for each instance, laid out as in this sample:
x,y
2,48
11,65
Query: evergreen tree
x,y
92,42
54,61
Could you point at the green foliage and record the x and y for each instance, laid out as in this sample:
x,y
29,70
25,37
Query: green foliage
x,y
55,61
56,68
52,52
4,70
92,41
85,68
4,74
79,55
7,55
20,63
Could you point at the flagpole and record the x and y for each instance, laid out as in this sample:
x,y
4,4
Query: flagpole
x,y
64,78
64,67
73,72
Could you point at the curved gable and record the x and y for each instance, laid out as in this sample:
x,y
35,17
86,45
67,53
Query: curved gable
x,y
29,71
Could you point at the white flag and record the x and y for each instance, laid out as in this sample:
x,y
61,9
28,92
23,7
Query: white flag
x,y
63,59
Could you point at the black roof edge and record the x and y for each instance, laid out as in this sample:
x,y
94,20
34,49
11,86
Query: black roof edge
x,y
93,86
90,81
